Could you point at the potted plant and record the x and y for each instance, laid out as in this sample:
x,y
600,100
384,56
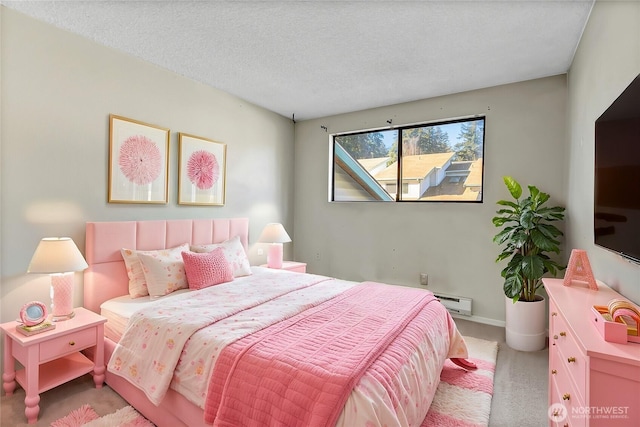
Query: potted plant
x,y
528,236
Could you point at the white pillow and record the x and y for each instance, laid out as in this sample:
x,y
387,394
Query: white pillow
x,y
137,281
233,252
163,273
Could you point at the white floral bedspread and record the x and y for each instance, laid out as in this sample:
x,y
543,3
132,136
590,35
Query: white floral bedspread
x,y
155,337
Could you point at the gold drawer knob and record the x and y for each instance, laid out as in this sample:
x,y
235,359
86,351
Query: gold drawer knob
x,y
571,360
554,314
563,334
566,396
72,343
566,425
553,372
555,337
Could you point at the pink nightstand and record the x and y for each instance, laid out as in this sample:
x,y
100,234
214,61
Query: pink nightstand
x,y
298,267
52,358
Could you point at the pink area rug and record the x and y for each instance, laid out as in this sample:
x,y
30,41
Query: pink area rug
x,y
86,416
463,398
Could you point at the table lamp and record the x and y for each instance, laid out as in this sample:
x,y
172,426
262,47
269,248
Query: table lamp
x,y
59,257
275,234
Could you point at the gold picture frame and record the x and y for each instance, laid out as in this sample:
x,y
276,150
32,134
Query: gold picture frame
x,y
138,161
202,167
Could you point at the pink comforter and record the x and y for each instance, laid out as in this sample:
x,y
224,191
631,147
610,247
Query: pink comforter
x,y
301,371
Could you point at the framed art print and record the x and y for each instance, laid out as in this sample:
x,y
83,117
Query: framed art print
x,y
202,168
138,161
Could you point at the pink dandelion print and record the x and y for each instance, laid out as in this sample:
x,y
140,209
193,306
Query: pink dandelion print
x,y
203,169
140,160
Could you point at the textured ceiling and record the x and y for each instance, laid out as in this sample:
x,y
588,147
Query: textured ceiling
x,y
319,58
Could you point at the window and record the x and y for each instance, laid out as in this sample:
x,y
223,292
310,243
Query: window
x,y
436,162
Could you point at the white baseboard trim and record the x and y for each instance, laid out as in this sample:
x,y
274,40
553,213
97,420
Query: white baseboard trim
x,y
478,319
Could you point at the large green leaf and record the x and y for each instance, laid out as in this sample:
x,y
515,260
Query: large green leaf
x,y
532,266
526,219
499,221
512,286
552,267
512,185
502,236
538,197
543,242
519,238
552,214
549,230
507,203
534,192
504,255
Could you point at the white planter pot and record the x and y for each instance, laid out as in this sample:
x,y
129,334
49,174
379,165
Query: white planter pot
x,y
526,324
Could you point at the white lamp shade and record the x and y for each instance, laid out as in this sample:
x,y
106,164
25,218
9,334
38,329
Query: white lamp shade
x,y
56,255
274,233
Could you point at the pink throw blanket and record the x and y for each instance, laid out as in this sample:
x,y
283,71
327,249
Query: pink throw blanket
x,y
302,370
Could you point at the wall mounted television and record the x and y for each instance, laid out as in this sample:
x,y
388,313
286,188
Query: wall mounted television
x,y
617,175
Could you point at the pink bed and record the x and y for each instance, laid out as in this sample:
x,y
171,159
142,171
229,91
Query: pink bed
x,y
106,279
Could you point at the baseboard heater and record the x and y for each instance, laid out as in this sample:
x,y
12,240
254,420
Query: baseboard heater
x,y
455,304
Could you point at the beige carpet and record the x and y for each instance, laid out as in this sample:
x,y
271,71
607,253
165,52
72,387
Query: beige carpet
x,y
519,377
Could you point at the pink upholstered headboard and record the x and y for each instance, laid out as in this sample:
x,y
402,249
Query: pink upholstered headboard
x,y
106,276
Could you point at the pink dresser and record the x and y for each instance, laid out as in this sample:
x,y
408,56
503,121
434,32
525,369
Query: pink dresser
x,y
592,382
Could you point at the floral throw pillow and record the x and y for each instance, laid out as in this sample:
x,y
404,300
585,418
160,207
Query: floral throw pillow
x,y
233,252
206,269
163,274
137,281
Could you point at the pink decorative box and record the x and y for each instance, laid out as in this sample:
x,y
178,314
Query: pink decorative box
x,y
611,331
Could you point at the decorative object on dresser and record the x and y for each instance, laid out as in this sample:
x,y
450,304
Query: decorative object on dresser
x,y
592,382
53,357
138,162
33,316
59,257
618,321
528,235
33,313
275,234
579,269
296,267
202,167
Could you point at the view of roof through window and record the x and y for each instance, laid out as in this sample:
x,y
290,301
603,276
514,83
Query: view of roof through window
x,y
435,162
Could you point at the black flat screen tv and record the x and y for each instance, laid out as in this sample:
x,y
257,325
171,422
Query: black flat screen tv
x,y
617,175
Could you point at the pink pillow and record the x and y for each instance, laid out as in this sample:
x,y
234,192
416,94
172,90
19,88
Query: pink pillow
x,y
206,269
233,252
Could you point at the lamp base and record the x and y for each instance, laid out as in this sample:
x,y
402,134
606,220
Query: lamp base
x,y
62,317
274,256
62,296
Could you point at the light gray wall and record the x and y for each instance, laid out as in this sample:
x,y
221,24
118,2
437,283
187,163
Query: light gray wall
x,y
58,90
607,60
452,242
